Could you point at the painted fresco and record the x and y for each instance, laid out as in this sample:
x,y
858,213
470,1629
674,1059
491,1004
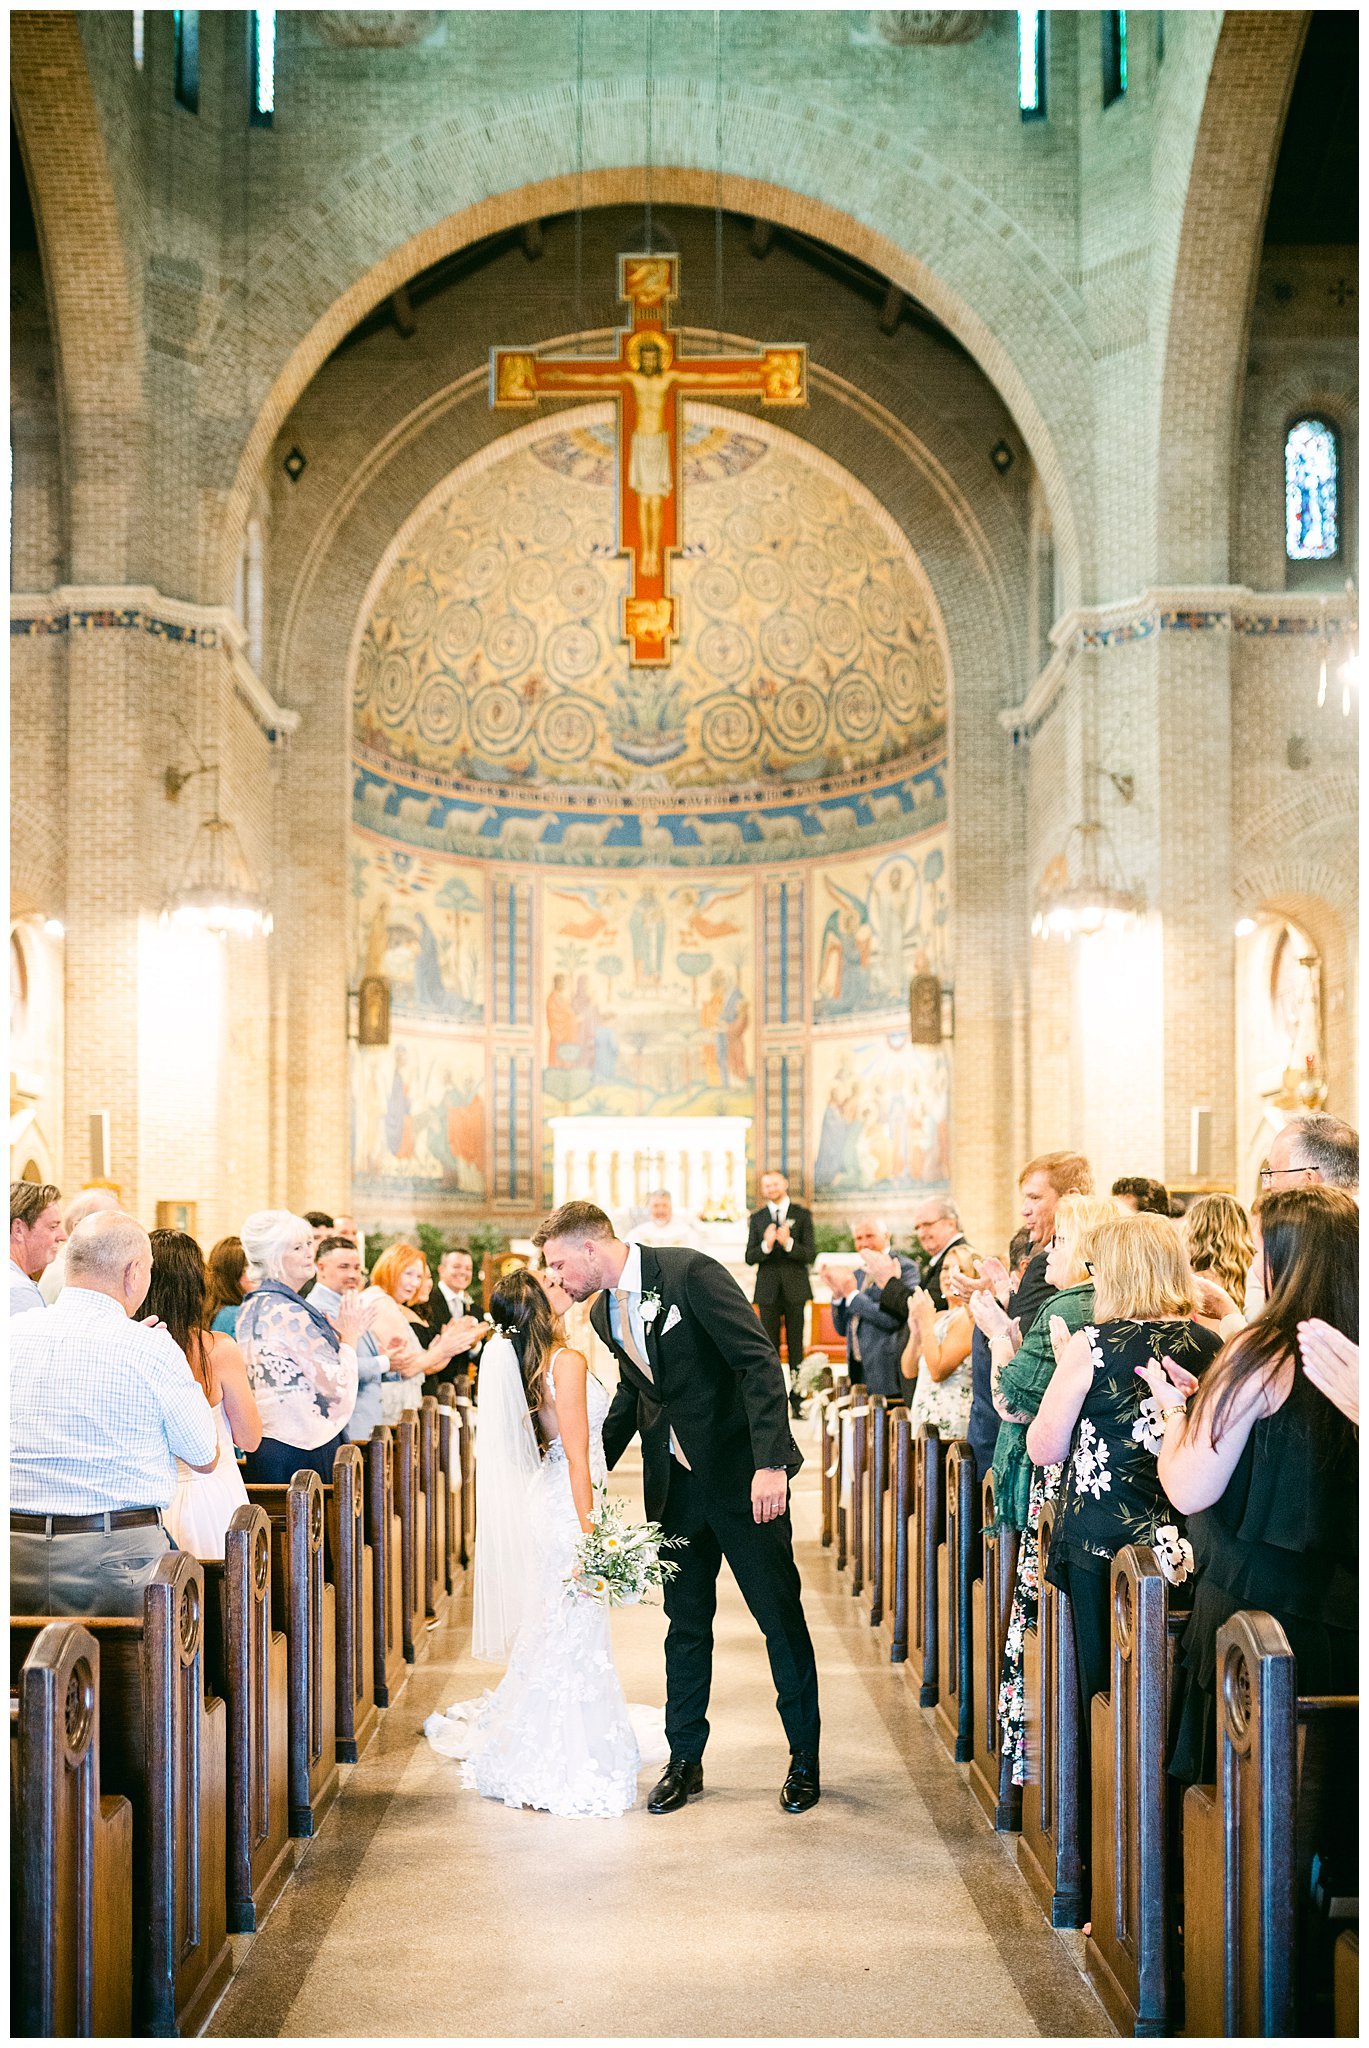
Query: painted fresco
x,y
808,655
419,922
648,996
876,924
881,1111
418,1116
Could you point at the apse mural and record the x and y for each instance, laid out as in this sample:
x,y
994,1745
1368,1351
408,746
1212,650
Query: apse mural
x,y
418,1117
648,997
878,923
419,922
880,1112
491,652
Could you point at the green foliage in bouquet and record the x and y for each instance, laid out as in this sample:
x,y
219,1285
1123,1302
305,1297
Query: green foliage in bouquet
x,y
618,1561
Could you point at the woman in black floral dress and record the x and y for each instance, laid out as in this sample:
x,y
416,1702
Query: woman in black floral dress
x,y
1100,1416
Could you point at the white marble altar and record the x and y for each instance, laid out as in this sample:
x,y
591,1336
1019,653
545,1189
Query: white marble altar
x,y
616,1161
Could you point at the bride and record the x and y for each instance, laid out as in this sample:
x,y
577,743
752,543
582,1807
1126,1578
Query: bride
x,y
557,1733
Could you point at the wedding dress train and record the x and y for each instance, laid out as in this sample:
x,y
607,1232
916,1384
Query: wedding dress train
x,y
556,1733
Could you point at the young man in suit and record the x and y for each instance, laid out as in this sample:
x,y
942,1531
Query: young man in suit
x,y
701,1384
449,1301
781,1245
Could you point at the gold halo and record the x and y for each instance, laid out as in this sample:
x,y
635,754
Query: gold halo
x,y
660,342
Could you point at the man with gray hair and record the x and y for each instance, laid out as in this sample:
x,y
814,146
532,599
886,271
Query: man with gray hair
x,y
937,1223
1313,1149
89,1202
875,1341
101,1407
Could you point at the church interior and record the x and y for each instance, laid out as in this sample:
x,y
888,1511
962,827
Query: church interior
x,y
749,618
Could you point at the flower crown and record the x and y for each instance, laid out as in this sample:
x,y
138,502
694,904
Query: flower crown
x,y
504,1330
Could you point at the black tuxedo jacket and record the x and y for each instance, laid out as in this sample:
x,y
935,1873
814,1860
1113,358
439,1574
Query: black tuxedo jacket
x,y
437,1315
782,1275
718,1383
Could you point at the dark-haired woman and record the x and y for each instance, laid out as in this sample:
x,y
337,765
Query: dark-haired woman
x,y
204,1502
229,1284
556,1734
1266,1470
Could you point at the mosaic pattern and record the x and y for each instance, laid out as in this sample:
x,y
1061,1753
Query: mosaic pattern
x,y
418,1116
491,652
882,1109
419,922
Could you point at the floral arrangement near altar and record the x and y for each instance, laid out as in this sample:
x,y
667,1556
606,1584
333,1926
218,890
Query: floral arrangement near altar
x,y
618,1561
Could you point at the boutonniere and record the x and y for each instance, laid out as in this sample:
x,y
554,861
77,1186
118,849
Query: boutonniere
x,y
651,1307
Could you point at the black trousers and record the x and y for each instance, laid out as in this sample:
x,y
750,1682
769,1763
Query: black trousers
x,y
762,1559
789,1315
274,1463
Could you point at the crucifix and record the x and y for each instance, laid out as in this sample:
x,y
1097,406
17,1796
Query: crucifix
x,y
646,377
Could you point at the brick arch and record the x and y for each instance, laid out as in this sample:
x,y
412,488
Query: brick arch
x,y
1216,265
921,225
1320,899
97,329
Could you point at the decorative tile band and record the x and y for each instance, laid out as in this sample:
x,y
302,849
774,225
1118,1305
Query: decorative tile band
x,y
133,620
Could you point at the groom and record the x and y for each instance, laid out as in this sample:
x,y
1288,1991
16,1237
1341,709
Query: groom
x,y
701,1382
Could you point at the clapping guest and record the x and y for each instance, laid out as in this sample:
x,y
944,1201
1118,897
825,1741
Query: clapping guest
x,y
1097,1414
204,1502
229,1281
1331,1362
396,1282
1020,1374
302,1364
874,1340
451,1301
337,1271
937,1357
1136,1195
1266,1469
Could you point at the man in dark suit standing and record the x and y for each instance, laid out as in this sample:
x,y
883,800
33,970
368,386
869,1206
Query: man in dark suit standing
x,y
449,1301
780,1244
702,1386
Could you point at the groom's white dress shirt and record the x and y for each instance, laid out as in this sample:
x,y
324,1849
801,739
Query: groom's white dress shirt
x,y
455,1302
630,1285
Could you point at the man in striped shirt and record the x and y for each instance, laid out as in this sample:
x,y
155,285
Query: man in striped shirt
x,y
101,1407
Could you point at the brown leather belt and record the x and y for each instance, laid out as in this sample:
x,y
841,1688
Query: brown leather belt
x,y
73,1525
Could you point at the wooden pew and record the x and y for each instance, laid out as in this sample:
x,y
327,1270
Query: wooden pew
x,y
433,1487
71,1850
1125,1954
957,1563
349,1561
833,1405
929,1464
247,1666
991,1599
861,1420
1346,1985
300,1591
898,1505
412,1545
449,1420
384,1541
1049,1849
467,1450
877,1517
164,1747
1257,1961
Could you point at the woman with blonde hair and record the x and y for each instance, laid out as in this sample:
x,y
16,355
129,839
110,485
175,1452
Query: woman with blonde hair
x,y
396,1283
1021,1374
1219,1239
1098,1414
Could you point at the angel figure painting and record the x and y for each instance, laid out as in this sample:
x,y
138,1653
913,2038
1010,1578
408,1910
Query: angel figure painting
x,y
887,921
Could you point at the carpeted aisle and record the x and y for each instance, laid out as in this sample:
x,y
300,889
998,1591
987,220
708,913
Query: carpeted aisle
x,y
890,1910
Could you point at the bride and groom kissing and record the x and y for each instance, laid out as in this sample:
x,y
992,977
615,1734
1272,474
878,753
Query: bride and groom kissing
x,y
701,1385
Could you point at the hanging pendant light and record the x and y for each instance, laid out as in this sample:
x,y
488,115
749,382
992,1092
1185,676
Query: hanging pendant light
x,y
1084,890
216,891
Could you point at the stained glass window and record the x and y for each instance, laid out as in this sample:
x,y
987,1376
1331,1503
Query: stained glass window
x,y
262,32
138,14
1114,55
186,28
1031,62
1311,479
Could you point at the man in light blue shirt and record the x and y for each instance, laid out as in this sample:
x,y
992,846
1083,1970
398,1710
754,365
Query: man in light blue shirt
x,y
35,1233
338,1266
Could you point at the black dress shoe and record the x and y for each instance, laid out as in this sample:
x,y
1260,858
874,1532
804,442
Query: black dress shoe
x,y
679,1781
801,1788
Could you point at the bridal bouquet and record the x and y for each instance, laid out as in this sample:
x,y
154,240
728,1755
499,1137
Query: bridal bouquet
x,y
618,1560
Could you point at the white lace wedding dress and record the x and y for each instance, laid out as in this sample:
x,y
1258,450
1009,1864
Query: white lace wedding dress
x,y
557,1733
